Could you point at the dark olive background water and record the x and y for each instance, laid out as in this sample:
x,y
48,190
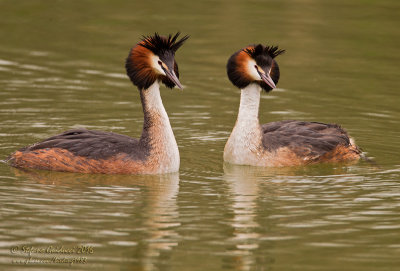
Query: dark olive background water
x,y
62,66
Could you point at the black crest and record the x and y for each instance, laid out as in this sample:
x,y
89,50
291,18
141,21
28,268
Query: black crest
x,y
261,50
159,45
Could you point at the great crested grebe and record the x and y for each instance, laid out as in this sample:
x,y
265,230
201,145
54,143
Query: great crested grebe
x,y
280,143
150,62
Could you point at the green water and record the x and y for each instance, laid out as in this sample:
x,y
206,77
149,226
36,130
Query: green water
x,y
62,66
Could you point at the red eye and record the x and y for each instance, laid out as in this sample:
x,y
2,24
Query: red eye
x,y
160,63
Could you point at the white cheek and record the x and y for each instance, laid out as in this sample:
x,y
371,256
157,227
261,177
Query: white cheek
x,y
251,69
154,59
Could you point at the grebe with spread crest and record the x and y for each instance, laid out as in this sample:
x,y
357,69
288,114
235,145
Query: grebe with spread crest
x,y
281,143
149,63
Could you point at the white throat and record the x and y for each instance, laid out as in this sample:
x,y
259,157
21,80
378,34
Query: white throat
x,y
163,144
245,141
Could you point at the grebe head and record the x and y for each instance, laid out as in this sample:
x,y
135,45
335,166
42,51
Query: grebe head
x,y
153,59
254,64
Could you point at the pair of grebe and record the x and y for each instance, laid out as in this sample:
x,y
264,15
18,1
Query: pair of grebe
x,y
151,62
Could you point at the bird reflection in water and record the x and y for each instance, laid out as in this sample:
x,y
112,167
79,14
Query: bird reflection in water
x,y
244,189
136,214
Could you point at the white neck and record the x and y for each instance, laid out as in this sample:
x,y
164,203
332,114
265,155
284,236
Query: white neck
x,y
152,100
245,141
157,131
249,104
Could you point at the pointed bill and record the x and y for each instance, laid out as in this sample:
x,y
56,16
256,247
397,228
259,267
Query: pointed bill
x,y
171,76
268,80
